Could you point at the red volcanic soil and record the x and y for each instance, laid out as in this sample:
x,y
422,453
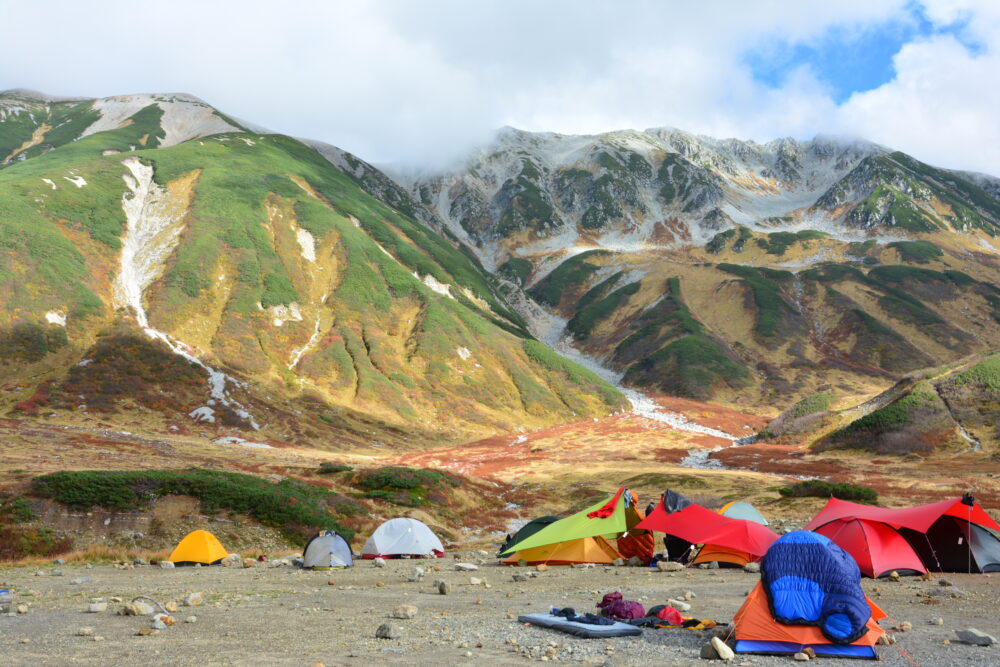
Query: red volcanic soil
x,y
780,460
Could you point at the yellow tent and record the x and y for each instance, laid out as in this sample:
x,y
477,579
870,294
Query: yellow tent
x,y
584,550
722,554
199,546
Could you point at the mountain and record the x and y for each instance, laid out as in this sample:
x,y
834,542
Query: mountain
x,y
165,266
754,274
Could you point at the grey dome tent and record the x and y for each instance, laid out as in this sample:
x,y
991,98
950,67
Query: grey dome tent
x,y
327,550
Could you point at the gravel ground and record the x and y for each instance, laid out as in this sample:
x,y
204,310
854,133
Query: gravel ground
x,y
285,616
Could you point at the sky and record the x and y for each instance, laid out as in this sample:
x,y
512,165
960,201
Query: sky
x,y
422,82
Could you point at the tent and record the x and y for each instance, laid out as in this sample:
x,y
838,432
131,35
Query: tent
x,y
877,548
402,537
727,555
757,632
584,550
950,535
327,550
809,596
199,546
741,509
526,531
698,525
615,517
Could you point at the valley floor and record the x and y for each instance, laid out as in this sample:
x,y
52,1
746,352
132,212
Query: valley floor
x,y
286,616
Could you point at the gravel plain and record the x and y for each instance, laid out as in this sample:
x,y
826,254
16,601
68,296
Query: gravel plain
x,y
286,616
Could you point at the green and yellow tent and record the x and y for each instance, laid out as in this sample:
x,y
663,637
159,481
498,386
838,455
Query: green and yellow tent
x,y
583,537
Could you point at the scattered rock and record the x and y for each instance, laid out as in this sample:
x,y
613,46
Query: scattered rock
x,y
166,564
669,566
808,650
147,632
85,632
618,562
191,619
886,640
678,605
249,562
404,611
519,577
158,625
59,561
635,561
57,573
378,562
193,600
708,652
893,576
379,584
905,626
21,608
116,599
937,620
976,637
97,607
541,567
137,608
801,656
944,582
79,580
416,574
166,619
689,595
466,567
475,581
171,606
444,588
139,561
721,649
387,631
752,568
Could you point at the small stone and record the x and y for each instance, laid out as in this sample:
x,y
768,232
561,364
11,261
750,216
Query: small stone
x,y
97,607
937,620
166,565
25,640
404,611
808,650
116,599
801,656
721,649
139,561
21,609
379,584
944,582
689,595
708,652
137,608
85,632
886,639
193,600
519,577
678,605
752,568
976,637
946,642
191,619
171,606
128,566
378,562
57,573
618,562
158,625
59,561
541,567
331,582
466,567
444,588
905,626
416,574
894,576
714,565
79,580
475,581
669,566
249,562
635,561
166,619
387,631
147,632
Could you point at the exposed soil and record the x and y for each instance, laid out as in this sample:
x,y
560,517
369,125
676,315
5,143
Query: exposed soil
x,y
284,616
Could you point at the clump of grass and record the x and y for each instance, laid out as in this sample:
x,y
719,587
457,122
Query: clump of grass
x,y
920,252
815,488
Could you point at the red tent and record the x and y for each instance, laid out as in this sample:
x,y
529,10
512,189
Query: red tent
x,y
876,547
701,526
918,518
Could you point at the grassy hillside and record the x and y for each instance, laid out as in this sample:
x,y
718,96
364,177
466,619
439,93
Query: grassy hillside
x,y
284,271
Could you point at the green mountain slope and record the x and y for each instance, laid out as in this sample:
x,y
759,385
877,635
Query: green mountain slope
x,y
251,255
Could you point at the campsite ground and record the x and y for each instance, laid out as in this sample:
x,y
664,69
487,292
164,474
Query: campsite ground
x,y
285,616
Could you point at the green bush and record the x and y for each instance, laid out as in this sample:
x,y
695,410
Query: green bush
x,y
920,252
294,507
815,488
329,467
398,485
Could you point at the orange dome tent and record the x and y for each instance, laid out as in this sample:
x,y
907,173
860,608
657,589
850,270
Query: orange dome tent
x,y
757,632
199,546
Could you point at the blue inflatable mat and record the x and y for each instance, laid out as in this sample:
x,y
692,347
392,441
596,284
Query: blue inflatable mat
x,y
580,629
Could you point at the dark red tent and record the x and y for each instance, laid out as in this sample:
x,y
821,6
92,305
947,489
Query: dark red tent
x,y
701,526
877,547
950,535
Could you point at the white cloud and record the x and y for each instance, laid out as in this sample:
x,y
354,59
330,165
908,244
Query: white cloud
x,y
421,81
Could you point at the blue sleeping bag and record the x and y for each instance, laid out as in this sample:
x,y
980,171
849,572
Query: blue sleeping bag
x,y
809,580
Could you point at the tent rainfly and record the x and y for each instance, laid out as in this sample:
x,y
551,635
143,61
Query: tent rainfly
x,y
402,537
698,525
327,550
877,548
198,546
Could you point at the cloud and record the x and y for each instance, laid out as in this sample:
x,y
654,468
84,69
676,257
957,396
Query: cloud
x,y
422,82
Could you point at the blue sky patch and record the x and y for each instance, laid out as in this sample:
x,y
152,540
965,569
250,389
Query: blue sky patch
x,y
849,59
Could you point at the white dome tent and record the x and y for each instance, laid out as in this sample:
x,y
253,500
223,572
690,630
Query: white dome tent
x,y
327,550
397,538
